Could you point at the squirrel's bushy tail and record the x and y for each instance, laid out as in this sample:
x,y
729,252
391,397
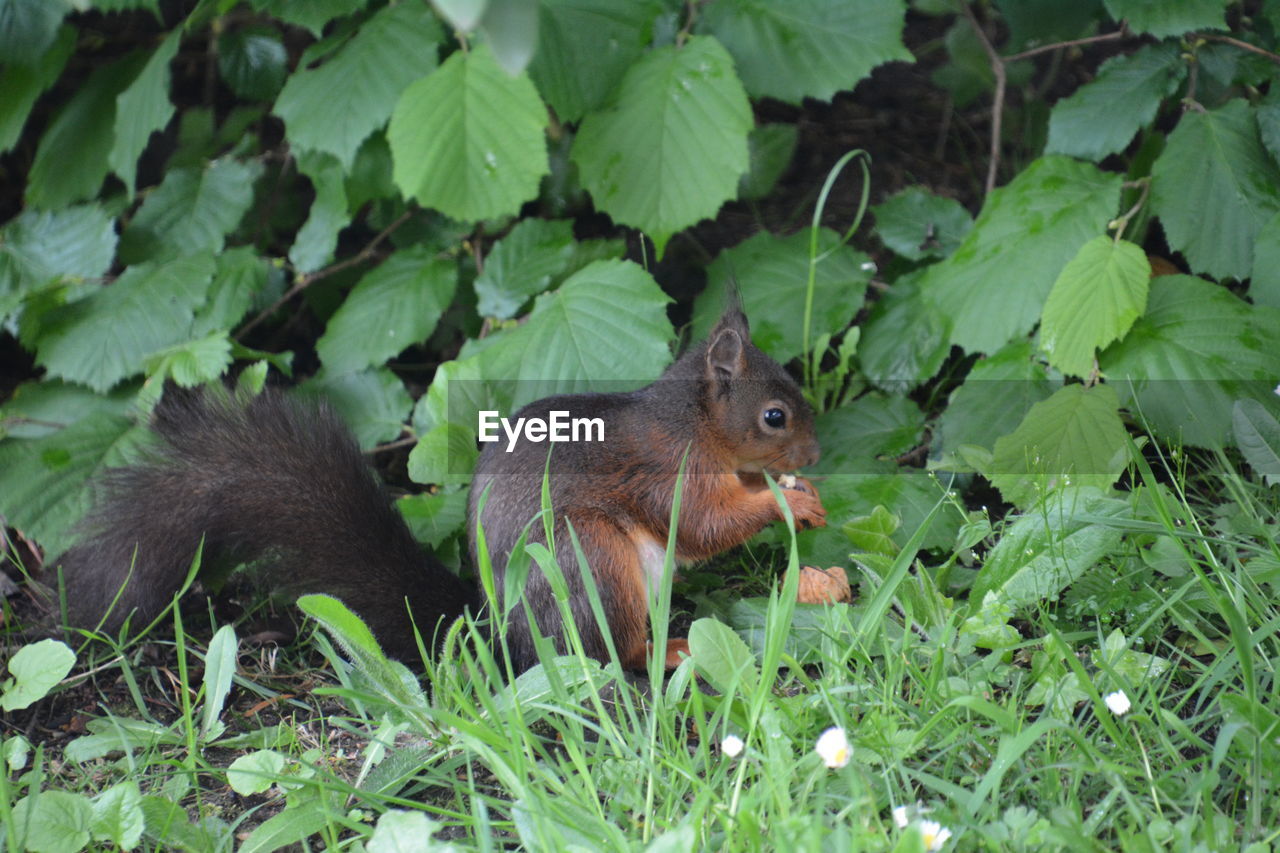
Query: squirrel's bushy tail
x,y
264,478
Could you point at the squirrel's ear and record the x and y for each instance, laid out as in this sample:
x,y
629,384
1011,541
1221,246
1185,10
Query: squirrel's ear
x,y
725,357
733,318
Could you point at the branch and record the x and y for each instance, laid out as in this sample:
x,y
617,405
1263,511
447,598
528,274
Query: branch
x,y
997,108
1045,48
1243,45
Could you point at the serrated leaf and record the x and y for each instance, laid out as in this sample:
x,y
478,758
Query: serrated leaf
x,y
1264,284
522,265
771,274
584,48
312,14
52,821
334,107
241,276
374,403
1095,301
1214,188
318,236
854,436
1257,434
904,340
994,286
252,62
1074,437
917,224
73,243
35,670
1046,549
792,51
23,84
468,139
670,150
192,362
117,815
1191,356
71,160
36,409
192,209
394,306
104,338
1102,116
909,494
28,28
141,110
1162,18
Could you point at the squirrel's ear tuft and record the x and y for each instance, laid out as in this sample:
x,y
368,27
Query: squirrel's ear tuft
x,y
733,318
725,357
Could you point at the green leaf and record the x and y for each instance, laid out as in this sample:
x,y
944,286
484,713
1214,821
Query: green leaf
x,y
241,276
907,493
394,306
71,160
1074,437
318,236
722,656
219,669
103,339
312,14
904,340
1257,434
468,139
34,671
1264,284
192,362
36,409
994,286
141,110
401,831
255,772
917,224
1214,188
333,108
1095,300
1102,116
769,151
792,51
73,243
253,62
23,84
51,822
434,518
1191,356
584,48
510,29
853,437
192,209
117,815
464,15
1048,548
523,264
771,274
374,403
28,28
670,150
1162,18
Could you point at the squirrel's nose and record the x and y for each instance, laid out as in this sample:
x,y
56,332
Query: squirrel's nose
x,y
809,455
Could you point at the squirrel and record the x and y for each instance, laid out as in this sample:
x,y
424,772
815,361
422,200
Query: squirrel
x,y
271,478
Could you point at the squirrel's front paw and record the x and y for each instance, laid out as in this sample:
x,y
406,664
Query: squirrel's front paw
x,y
807,508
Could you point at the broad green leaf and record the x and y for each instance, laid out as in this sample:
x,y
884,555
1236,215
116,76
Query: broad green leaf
x,y
853,437
1214,188
464,15
103,339
168,826
33,671
334,107
1095,300
904,340
523,264
253,62
771,274
769,151
584,48
219,669
1162,18
917,224
28,28
36,409
722,656
468,138
292,826
1039,22
994,286
374,403
192,209
1267,112
241,276
402,831
1049,547
1264,284
72,243
312,14
192,362
873,533
1102,116
1257,434
394,306
318,236
141,110
117,815
23,84
671,148
510,29
995,397
433,518
909,494
1074,437
51,822
1191,356
71,160
255,772
792,51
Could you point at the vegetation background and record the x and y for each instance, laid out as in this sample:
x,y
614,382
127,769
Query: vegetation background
x,y
1024,256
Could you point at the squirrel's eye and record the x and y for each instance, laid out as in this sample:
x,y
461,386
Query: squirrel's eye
x,y
775,418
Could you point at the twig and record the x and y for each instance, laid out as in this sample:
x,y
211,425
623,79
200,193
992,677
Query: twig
x,y
307,280
997,110
1243,45
1045,48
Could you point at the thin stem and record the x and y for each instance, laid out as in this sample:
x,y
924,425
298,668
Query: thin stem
x,y
1123,32
997,107
1243,45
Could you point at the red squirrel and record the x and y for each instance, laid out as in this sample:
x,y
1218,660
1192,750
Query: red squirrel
x,y
274,479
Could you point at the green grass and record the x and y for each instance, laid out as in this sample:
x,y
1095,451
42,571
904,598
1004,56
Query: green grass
x,y
990,721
